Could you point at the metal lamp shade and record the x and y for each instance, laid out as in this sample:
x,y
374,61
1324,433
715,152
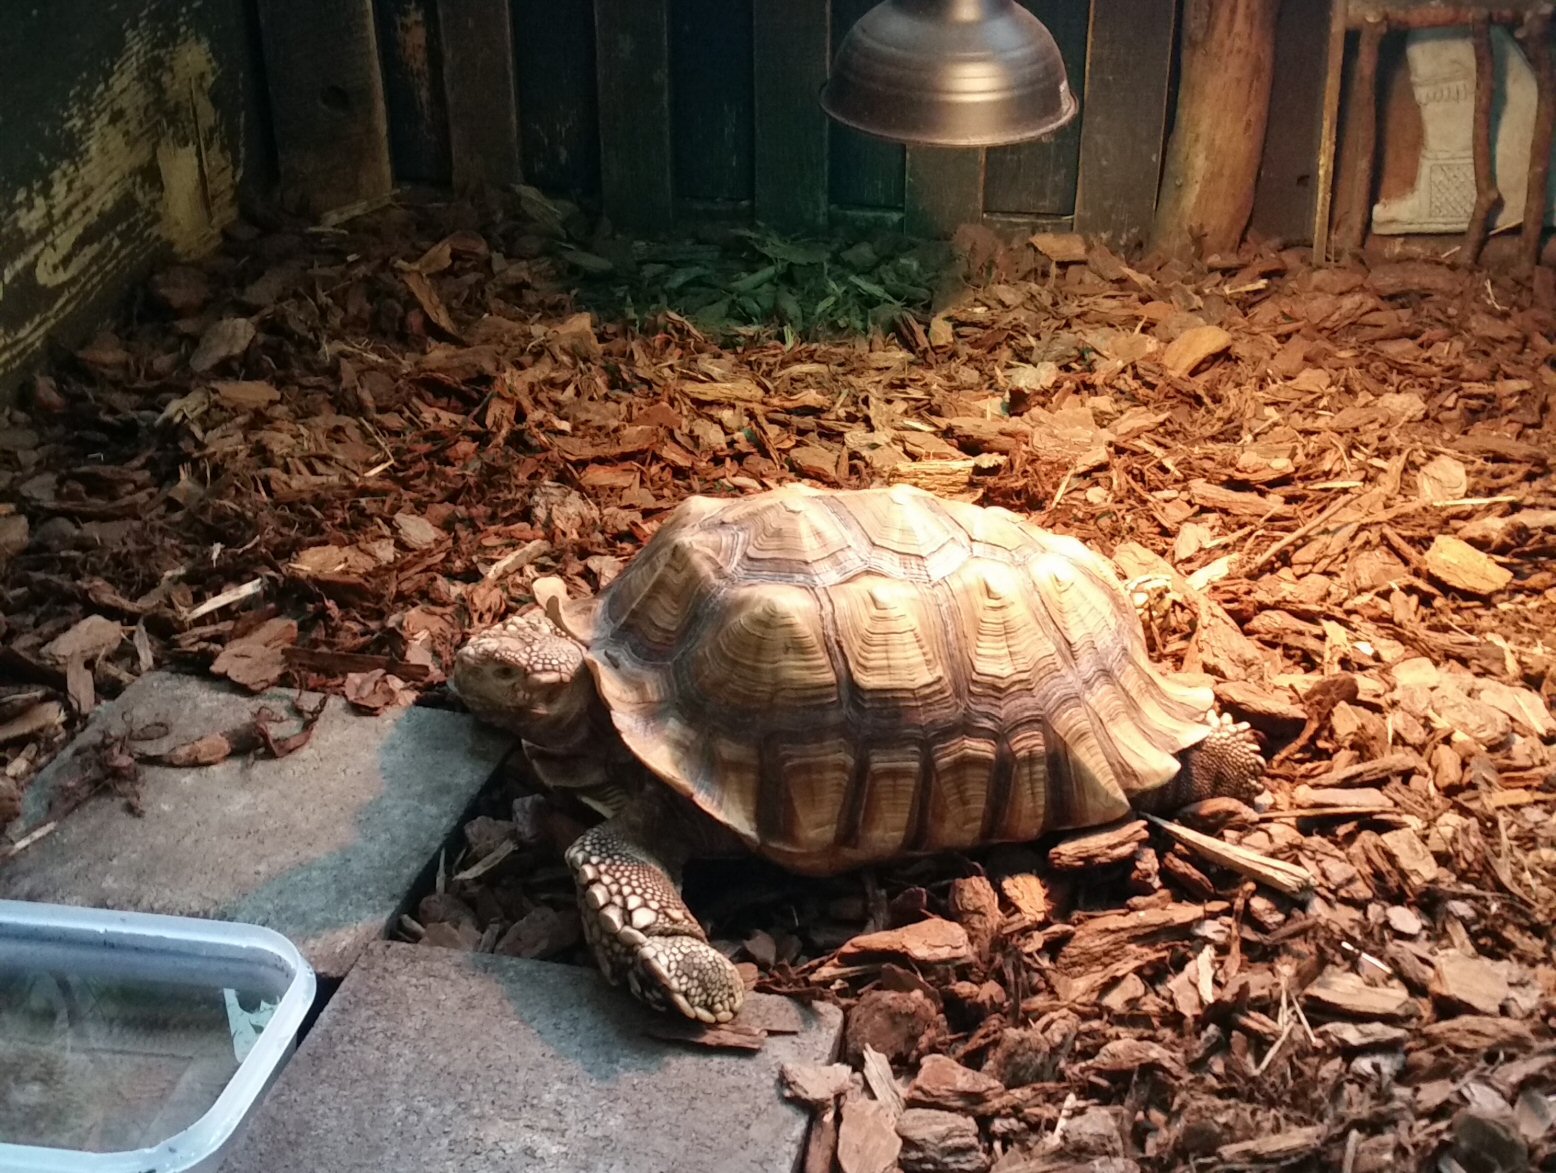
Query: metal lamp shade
x,y
953,73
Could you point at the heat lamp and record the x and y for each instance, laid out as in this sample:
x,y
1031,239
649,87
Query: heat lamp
x,y
951,73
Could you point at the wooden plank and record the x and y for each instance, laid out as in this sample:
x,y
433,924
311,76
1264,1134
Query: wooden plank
x,y
632,60
127,132
1537,44
1039,178
559,120
790,40
413,90
1353,207
483,117
942,190
326,102
1286,188
1128,63
863,172
1329,130
711,120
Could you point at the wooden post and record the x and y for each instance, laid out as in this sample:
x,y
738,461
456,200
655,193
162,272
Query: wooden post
x,y
413,91
1334,72
1285,195
483,117
790,55
1487,197
1355,211
1228,62
326,102
632,60
942,190
1537,43
1128,62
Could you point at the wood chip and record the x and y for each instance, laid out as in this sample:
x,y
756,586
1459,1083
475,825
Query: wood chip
x,y
1463,567
1469,983
223,339
1063,248
1028,894
976,908
1363,1036
815,1084
89,639
1480,1032
32,721
879,1078
1098,848
1193,347
867,1140
1411,857
930,942
729,1036
1340,991
940,1142
1290,878
944,1083
1280,1147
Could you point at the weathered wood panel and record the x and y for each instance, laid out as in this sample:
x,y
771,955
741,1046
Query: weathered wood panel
x,y
865,172
326,102
942,190
632,60
126,128
1038,179
483,119
1284,195
789,54
559,114
711,104
1128,62
411,52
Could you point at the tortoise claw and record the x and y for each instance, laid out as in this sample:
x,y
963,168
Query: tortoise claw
x,y
689,975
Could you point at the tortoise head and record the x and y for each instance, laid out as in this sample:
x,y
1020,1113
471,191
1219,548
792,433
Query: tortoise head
x,y
525,675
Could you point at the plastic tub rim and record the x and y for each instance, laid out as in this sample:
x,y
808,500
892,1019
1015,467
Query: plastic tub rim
x,y
171,936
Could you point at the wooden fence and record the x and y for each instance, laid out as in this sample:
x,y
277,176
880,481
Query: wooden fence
x,y
669,111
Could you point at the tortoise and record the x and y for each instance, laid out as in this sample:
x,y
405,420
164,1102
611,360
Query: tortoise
x,y
831,679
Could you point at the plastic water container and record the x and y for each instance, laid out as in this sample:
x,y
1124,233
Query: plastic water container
x,y
136,1043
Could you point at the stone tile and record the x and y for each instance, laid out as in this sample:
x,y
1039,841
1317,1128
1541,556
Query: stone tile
x,y
429,1060
322,845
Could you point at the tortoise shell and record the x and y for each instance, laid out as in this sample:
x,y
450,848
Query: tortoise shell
x,y
847,677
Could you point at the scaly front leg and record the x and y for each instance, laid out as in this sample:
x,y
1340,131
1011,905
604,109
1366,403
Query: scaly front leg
x,y
640,929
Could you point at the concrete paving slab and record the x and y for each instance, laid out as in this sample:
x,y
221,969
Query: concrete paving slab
x,y
322,845
429,1060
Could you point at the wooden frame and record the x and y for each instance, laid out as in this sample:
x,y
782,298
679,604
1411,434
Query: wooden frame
x,y
477,96
1374,18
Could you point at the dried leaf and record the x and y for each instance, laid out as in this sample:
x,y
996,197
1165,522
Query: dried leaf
x,y
377,690
257,660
